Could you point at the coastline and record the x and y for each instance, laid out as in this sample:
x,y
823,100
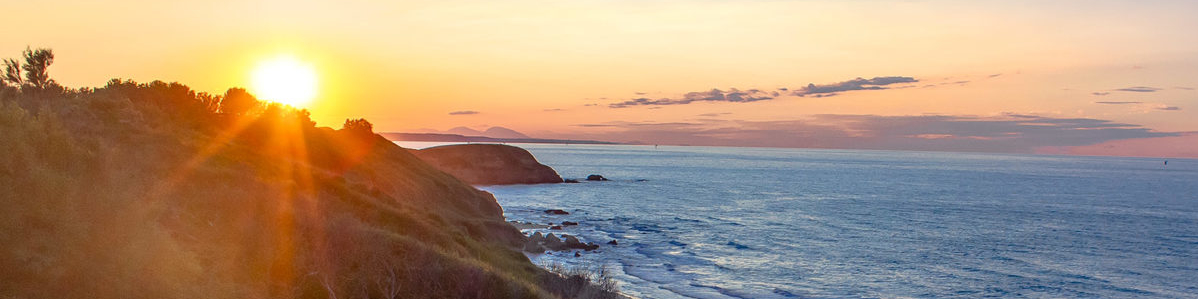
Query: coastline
x,y
743,223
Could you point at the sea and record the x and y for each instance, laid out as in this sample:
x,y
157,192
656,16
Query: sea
x,y
728,222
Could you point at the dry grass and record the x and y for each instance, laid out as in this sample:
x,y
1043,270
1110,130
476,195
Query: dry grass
x,y
581,281
146,191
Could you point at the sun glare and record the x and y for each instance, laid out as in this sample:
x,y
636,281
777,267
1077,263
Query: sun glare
x,y
284,80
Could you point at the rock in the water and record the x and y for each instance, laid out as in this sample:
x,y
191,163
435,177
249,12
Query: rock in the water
x,y
556,227
552,242
613,242
595,177
533,243
540,244
556,212
571,181
569,223
488,164
532,247
576,254
571,241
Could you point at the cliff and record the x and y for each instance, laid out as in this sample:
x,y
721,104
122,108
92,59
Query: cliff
x,y
154,191
489,164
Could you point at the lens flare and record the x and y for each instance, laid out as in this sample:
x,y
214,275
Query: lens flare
x,y
284,80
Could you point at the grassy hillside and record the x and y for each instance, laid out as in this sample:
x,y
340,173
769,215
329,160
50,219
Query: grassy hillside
x,y
155,191
488,164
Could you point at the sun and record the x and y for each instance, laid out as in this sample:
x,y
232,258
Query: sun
x,y
284,80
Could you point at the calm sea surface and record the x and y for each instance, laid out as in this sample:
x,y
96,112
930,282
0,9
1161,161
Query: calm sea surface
x,y
710,222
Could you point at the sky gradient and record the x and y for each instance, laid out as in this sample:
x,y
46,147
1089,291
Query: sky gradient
x,y
1071,77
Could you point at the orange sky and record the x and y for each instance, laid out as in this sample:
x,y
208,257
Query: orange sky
x,y
552,68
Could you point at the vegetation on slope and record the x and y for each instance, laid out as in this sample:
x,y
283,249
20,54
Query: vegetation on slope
x,y
488,164
153,190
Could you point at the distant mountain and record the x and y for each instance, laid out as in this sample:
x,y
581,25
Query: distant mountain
x,y
505,133
464,131
492,132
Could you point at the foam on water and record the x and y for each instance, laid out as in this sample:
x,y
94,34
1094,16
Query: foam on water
x,y
781,223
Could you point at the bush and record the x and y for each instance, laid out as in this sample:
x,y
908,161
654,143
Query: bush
x,y
580,281
358,126
237,101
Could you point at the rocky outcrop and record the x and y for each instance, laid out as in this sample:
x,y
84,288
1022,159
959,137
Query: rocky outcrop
x,y
539,243
596,177
489,164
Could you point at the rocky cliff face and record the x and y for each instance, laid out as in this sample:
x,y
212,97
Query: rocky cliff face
x,y
489,164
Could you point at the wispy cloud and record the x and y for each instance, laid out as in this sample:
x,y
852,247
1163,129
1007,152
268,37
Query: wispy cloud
x,y
1139,89
1142,106
1103,93
734,95
877,83
715,95
464,112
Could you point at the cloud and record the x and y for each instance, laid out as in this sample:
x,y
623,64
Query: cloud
x,y
715,95
1005,133
1142,106
715,114
994,75
1100,93
1139,89
464,112
734,95
877,83
553,110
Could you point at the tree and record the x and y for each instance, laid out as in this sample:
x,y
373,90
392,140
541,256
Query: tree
x,y
210,103
237,101
37,63
12,72
358,126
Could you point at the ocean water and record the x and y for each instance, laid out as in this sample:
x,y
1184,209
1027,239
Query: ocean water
x,y
711,222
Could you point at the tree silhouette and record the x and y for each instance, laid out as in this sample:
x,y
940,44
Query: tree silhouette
x,y
358,125
237,101
37,63
12,72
